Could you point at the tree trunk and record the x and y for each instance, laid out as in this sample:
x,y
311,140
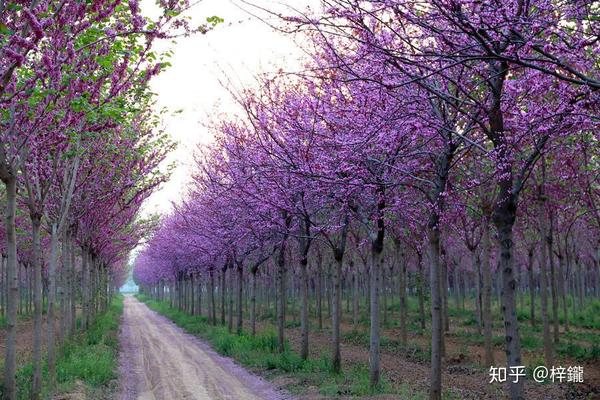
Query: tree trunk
x,y
320,292
403,311
336,314
85,283
253,302
199,289
382,291
455,285
37,304
504,215
304,309
562,283
435,388
553,290
281,305
240,320
223,290
374,363
73,290
531,287
421,290
355,298
193,310
230,298
478,297
213,305
51,345
512,338
444,294
61,291
12,287
548,358
329,289
487,294
581,278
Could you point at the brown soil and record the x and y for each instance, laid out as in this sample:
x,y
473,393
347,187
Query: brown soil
x,y
460,375
24,340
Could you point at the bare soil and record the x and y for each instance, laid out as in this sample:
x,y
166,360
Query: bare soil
x,y
24,341
459,373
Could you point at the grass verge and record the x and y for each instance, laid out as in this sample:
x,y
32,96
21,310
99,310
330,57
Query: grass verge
x,y
86,363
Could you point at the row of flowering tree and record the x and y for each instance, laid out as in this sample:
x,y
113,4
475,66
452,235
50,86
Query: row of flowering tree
x,y
446,144
80,146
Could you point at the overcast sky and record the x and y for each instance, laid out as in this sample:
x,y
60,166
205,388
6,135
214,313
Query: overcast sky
x,y
236,51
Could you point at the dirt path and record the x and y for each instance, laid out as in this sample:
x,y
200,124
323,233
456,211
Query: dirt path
x,y
159,361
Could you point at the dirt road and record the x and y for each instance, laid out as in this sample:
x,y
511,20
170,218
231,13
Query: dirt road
x,y
161,362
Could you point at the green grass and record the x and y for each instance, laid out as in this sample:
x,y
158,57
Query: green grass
x,y
261,352
579,352
90,358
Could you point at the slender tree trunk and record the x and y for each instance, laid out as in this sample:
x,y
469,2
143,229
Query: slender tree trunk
x,y
51,345
253,302
581,279
463,287
478,297
455,286
292,296
382,290
444,294
37,304
374,363
230,308
553,290
487,294
562,284
512,338
240,293
531,287
304,309
421,290
548,357
281,305
336,314
213,306
3,284
435,388
73,289
192,290
320,292
85,282
200,289
329,288
223,290
61,292
12,288
355,298
403,310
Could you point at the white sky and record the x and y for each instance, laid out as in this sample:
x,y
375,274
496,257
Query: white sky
x,y
242,46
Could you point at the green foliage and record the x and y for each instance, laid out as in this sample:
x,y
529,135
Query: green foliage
x,y
215,20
